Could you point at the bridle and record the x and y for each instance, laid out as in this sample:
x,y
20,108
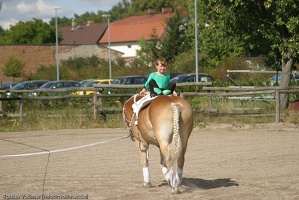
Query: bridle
x,y
128,124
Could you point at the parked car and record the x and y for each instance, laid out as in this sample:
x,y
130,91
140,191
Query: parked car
x,y
83,82
174,74
27,85
60,85
185,78
129,80
90,83
9,85
277,78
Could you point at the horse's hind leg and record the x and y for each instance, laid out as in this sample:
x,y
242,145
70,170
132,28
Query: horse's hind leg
x,y
174,174
164,167
181,161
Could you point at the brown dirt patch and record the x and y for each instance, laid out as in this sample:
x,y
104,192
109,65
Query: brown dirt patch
x,y
222,162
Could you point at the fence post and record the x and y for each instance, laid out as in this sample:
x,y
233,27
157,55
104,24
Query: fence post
x,y
21,109
210,103
277,98
95,106
1,107
182,95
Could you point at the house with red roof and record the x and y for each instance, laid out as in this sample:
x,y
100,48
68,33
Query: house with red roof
x,y
89,33
83,41
125,33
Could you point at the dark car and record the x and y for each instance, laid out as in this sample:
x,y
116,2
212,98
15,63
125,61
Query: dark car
x,y
9,85
185,78
277,78
28,85
60,85
129,80
174,74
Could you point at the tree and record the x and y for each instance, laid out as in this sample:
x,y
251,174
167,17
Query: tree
x,y
120,11
172,44
2,31
149,50
175,40
215,43
140,7
30,32
267,27
61,21
13,67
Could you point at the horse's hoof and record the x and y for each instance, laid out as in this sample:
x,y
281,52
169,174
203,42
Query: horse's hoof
x,y
176,190
147,184
168,182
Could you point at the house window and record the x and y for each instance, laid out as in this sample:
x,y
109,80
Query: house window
x,y
129,46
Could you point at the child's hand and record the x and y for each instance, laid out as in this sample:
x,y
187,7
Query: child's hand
x,y
142,92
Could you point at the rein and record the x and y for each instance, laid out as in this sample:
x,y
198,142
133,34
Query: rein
x,y
130,124
126,120
134,114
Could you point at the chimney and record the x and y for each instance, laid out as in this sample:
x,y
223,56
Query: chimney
x,y
151,11
89,22
73,25
166,10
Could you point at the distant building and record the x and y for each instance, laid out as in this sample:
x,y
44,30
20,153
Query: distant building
x,y
125,33
35,56
89,33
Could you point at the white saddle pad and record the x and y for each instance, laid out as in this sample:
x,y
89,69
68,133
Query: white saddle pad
x,y
138,105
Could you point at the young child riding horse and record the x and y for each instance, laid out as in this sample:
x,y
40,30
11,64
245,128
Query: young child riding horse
x,y
159,82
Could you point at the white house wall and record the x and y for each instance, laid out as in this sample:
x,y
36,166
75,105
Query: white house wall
x,y
129,49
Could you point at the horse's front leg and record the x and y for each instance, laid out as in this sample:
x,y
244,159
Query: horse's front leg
x,y
143,149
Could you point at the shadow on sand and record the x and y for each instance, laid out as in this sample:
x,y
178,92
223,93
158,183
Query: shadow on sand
x,y
191,184
209,184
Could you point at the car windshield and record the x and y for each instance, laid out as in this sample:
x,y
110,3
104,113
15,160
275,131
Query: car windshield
x,y
118,81
5,84
91,84
20,86
178,78
82,83
47,85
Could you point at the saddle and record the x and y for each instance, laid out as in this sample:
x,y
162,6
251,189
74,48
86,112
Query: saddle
x,y
141,103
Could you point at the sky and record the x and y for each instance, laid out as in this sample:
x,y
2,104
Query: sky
x,y
13,11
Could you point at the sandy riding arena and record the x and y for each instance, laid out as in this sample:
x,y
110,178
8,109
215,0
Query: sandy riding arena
x,y
222,162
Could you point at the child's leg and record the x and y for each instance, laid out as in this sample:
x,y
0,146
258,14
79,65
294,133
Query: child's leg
x,y
169,89
154,88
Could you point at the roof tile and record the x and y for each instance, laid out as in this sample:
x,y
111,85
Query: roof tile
x,y
134,28
83,34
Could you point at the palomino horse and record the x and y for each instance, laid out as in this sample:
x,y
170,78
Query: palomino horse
x,y
166,122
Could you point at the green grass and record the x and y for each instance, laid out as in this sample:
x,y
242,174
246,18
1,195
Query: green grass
x,y
78,114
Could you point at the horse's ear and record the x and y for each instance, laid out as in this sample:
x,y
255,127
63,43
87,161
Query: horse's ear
x,y
120,104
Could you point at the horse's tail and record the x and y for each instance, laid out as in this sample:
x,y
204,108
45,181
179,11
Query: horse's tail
x,y
176,146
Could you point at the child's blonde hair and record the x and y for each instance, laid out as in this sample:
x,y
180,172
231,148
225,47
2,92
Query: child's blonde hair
x,y
162,61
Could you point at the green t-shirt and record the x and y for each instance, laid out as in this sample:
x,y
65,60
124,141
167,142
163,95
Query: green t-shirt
x,y
162,81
